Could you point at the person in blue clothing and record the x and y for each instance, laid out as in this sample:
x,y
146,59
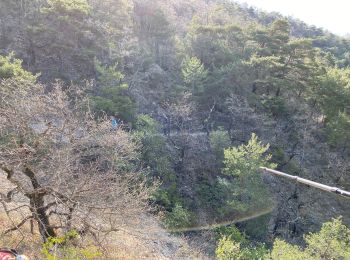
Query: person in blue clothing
x,y
114,122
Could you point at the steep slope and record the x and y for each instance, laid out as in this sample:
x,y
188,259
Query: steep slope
x,y
200,68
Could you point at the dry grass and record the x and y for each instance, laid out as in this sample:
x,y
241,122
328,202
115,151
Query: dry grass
x,y
147,241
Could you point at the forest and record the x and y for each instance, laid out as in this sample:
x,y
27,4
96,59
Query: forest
x,y
201,93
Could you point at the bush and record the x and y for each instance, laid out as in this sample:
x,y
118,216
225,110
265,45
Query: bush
x,y
332,242
167,197
337,130
231,232
228,249
179,217
242,163
111,97
70,7
219,140
276,106
11,67
213,197
256,228
58,248
283,250
235,245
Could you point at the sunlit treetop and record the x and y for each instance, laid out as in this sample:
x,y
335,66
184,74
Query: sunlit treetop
x,y
71,7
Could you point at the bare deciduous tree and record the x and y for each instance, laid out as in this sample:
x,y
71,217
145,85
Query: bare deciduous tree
x,y
70,170
180,114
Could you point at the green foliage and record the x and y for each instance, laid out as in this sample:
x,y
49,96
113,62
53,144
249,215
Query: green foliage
x,y
231,232
146,125
219,140
156,158
255,252
245,160
167,195
108,76
179,217
283,250
217,45
276,106
154,152
282,159
280,65
213,197
11,67
333,92
158,27
228,249
232,244
153,29
333,95
57,248
228,50
111,96
243,164
332,242
71,40
256,228
338,132
70,7
193,73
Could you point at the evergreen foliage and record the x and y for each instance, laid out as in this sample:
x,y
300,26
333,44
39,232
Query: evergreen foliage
x,y
242,163
179,217
193,73
232,245
219,140
69,7
10,67
111,97
333,95
331,242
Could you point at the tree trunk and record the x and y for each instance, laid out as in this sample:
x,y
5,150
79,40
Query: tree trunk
x,y
39,213
38,209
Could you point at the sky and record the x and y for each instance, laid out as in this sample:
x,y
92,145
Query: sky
x,y
331,15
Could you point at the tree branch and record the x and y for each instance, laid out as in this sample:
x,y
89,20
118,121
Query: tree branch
x,y
18,225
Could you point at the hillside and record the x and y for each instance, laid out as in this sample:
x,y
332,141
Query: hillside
x,y
204,92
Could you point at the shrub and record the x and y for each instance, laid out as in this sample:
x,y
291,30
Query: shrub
x,y
11,67
219,140
179,217
276,106
243,164
332,242
235,245
111,96
57,248
228,249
